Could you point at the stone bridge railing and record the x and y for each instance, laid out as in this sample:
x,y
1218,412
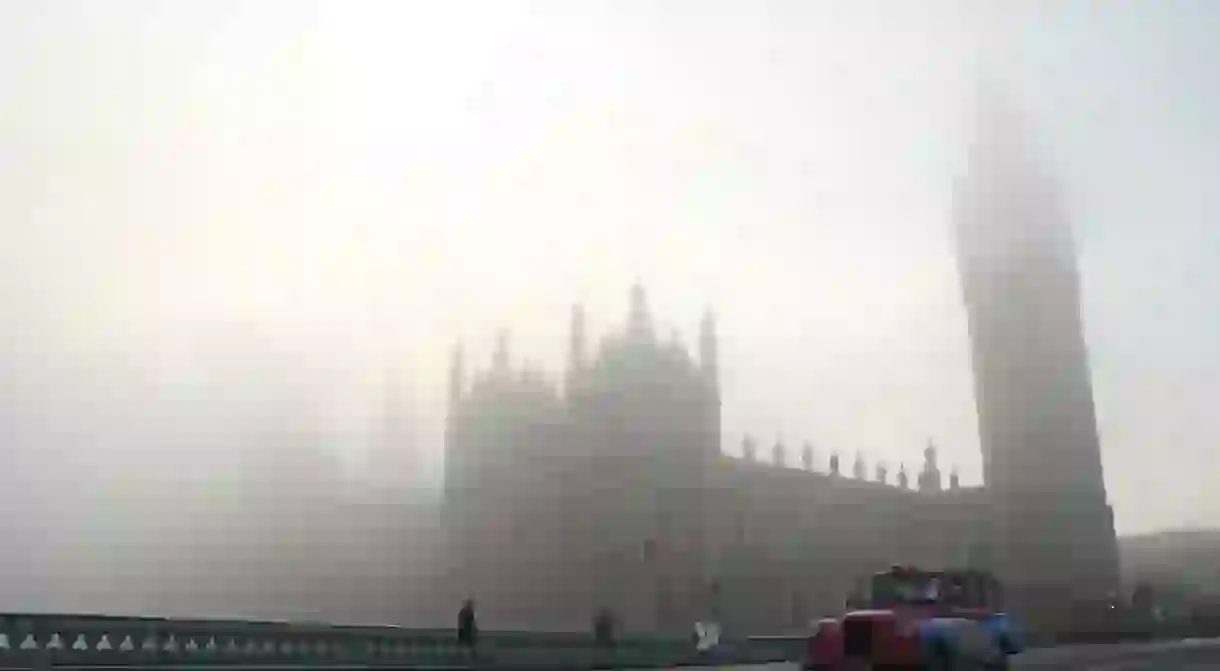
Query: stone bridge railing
x,y
36,640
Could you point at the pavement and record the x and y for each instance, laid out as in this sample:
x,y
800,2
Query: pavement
x,y
1187,655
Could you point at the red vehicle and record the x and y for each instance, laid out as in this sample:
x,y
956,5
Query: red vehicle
x,y
914,619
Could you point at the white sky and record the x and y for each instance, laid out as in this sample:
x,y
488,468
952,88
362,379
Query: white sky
x,y
358,185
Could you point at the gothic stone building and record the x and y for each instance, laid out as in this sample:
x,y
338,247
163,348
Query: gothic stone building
x,y
613,490
615,493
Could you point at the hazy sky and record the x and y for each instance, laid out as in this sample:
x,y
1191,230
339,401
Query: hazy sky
x,y
356,186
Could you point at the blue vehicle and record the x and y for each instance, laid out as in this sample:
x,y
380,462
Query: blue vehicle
x,y
918,619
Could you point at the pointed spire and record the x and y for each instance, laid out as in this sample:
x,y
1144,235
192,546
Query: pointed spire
x,y
457,376
929,477
499,360
708,357
639,323
576,346
748,449
902,476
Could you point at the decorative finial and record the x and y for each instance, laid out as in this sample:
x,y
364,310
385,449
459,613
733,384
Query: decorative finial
x,y
748,449
499,362
576,342
707,350
457,374
929,477
639,320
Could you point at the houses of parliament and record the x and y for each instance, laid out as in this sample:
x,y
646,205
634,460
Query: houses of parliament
x,y
610,489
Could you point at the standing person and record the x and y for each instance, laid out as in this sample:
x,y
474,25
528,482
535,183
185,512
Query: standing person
x,y
468,630
603,627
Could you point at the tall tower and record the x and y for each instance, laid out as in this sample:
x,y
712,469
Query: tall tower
x,y
1053,531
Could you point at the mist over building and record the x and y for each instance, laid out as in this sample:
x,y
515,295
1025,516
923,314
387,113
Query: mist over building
x,y
612,488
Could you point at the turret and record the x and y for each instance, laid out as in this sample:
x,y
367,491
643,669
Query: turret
x,y
858,469
903,481
576,347
499,360
778,455
807,456
639,321
454,459
929,478
457,375
708,357
709,368
748,449
834,464
882,472
954,482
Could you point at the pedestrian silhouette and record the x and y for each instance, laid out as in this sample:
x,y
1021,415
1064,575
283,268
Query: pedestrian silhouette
x,y
467,628
603,627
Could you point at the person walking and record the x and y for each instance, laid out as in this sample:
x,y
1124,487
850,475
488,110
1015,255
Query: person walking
x,y
603,628
468,630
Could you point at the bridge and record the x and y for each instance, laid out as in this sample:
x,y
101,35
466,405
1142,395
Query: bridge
x,y
33,640
37,641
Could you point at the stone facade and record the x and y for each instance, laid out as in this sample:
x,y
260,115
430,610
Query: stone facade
x,y
614,491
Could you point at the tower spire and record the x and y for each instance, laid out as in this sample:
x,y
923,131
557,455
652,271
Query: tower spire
x,y
929,477
576,346
708,350
499,360
639,320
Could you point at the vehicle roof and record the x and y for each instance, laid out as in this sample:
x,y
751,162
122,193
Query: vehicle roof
x,y
911,570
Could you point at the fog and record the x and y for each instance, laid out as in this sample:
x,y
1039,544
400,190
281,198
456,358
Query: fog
x,y
238,239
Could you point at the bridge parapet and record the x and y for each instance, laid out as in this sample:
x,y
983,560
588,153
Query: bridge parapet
x,y
87,639
30,640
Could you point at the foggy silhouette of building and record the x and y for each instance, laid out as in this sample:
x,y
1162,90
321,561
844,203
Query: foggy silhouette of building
x,y
613,490
615,493
1053,535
